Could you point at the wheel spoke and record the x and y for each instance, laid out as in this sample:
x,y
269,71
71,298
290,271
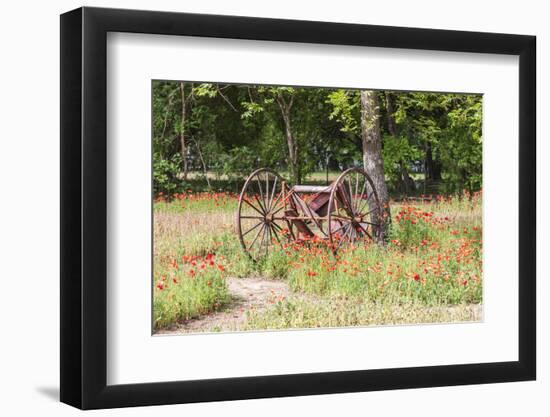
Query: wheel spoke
x,y
344,236
261,191
274,204
250,204
270,237
354,204
257,234
275,233
251,229
366,201
259,246
273,194
369,212
350,202
260,203
277,226
267,192
361,201
340,228
364,230
278,210
265,238
344,226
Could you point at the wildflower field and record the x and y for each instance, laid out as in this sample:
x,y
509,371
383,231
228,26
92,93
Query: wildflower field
x,y
429,271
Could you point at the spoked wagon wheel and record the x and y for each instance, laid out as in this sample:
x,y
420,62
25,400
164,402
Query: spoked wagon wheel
x,y
354,211
260,213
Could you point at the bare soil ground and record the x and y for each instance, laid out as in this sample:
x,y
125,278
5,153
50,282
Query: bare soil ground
x,y
248,294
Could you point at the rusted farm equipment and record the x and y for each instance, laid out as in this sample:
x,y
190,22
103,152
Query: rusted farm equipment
x,y
271,212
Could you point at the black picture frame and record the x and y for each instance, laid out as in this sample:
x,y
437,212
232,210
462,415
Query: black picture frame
x,y
84,207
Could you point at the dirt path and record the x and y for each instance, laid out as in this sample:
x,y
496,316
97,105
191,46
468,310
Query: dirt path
x,y
248,294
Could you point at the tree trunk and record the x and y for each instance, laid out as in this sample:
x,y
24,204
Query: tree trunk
x,y
408,182
372,154
203,163
392,126
183,142
433,167
429,161
292,151
290,139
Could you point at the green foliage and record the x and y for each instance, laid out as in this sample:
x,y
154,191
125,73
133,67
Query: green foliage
x,y
238,162
180,295
250,109
450,126
165,175
461,145
397,150
229,130
412,229
346,109
205,90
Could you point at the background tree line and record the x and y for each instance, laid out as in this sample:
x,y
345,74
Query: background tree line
x,y
210,136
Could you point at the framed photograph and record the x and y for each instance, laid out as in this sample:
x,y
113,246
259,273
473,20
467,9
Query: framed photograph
x,y
257,208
